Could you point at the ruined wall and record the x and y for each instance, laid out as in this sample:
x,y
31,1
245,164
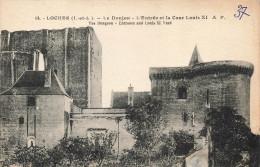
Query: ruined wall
x,y
84,67
69,52
55,52
12,66
5,72
95,70
78,66
17,54
228,87
5,39
48,114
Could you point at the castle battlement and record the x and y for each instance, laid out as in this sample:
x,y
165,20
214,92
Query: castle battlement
x,y
208,68
200,85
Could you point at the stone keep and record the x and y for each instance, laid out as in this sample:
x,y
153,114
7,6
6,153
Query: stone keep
x,y
50,83
188,91
74,54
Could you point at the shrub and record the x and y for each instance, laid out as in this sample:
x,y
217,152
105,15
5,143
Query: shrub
x,y
35,156
231,138
146,125
184,141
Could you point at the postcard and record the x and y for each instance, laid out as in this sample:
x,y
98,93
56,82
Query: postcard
x,y
129,83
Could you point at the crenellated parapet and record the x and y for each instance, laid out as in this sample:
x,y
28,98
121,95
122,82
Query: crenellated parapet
x,y
201,85
209,68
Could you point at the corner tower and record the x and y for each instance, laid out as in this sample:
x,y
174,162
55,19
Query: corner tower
x,y
192,89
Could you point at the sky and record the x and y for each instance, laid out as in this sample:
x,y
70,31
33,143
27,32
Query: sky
x,y
129,51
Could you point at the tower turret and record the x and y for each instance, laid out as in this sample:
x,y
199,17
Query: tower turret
x,y
195,58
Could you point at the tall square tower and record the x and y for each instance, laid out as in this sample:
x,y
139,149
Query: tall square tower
x,y
74,54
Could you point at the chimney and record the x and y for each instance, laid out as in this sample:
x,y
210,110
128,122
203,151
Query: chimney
x,y
131,96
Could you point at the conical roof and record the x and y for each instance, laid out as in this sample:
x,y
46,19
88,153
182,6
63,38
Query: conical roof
x,y
195,58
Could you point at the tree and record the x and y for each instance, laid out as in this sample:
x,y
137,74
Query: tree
x,y
83,150
203,132
35,156
184,141
146,125
231,137
56,155
70,151
103,145
75,150
168,146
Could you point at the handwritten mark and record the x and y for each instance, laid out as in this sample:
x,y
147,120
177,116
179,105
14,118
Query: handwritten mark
x,y
241,12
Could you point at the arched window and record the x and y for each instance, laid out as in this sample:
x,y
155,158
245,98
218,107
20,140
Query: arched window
x,y
38,61
30,141
182,93
21,120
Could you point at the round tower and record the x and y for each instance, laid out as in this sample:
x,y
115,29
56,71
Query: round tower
x,y
194,88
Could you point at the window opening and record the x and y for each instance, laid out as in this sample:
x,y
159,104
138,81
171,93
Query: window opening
x,y
207,97
31,101
182,93
21,120
30,141
184,117
193,119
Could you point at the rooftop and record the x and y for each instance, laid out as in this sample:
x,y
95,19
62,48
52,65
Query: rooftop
x,y
32,83
195,58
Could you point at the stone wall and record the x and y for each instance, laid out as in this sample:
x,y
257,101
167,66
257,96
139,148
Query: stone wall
x,y
84,123
75,53
95,70
77,59
48,114
205,89
120,99
12,66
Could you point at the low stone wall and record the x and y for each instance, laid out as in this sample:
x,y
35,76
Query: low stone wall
x,y
95,119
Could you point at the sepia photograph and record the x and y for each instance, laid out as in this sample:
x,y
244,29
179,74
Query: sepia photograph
x,y
153,83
